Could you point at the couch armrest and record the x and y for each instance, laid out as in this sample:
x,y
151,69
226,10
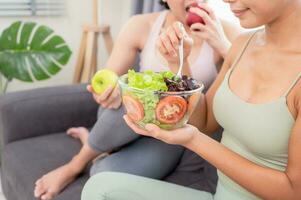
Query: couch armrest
x,y
44,111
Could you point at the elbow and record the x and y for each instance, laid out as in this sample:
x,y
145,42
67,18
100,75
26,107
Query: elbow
x,y
294,186
208,131
291,196
294,193
288,191
287,187
284,196
296,196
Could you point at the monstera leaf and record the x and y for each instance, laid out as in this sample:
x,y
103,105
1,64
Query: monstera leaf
x,y
29,52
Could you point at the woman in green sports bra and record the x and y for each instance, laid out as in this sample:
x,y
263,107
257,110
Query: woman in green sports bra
x,y
256,98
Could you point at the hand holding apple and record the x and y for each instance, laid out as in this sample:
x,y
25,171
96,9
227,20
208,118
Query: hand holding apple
x,y
211,30
103,79
105,89
193,18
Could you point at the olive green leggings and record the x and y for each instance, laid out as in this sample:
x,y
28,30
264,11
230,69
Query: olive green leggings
x,y
120,186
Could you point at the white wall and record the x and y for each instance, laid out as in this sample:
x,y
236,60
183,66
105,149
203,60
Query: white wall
x,y
113,12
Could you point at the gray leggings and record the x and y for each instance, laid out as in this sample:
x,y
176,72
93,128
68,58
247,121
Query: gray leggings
x,y
138,155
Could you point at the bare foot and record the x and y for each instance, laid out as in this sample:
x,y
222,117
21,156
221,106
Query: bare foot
x,y
55,181
80,133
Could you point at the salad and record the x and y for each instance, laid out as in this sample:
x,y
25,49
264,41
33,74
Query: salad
x,y
159,98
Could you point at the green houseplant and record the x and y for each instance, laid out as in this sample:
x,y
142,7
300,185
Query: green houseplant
x,y
30,52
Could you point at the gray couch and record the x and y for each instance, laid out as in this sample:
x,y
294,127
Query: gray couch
x,y
33,141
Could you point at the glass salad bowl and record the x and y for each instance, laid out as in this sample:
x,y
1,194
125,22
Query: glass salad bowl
x,y
149,101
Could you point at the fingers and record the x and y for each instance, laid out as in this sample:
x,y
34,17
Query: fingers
x,y
188,42
209,10
90,88
114,100
151,129
109,99
207,19
169,40
101,98
179,30
167,44
177,33
198,27
158,133
115,104
202,31
173,36
161,47
106,93
134,127
154,130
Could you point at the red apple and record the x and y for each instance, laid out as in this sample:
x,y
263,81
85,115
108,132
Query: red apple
x,y
194,18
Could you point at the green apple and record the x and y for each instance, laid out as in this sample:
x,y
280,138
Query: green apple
x,y
103,79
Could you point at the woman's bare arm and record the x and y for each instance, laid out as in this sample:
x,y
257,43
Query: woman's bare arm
x,y
129,42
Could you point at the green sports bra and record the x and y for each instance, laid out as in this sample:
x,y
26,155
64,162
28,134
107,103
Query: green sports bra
x,y
258,132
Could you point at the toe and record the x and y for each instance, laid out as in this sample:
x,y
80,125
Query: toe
x,y
39,191
39,181
47,196
71,130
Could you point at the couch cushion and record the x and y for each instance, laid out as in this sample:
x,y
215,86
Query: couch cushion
x,y
194,172
23,162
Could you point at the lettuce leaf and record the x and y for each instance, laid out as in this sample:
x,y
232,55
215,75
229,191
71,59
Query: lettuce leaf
x,y
149,80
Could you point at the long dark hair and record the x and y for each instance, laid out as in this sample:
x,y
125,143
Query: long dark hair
x,y
164,4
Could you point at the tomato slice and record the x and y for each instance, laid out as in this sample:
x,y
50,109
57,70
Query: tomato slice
x,y
134,108
171,109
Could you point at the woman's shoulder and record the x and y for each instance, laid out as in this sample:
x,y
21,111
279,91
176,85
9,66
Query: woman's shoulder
x,y
139,26
147,16
143,22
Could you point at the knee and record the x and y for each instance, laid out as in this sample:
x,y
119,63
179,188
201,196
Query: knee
x,y
105,164
99,167
110,185
93,170
97,187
